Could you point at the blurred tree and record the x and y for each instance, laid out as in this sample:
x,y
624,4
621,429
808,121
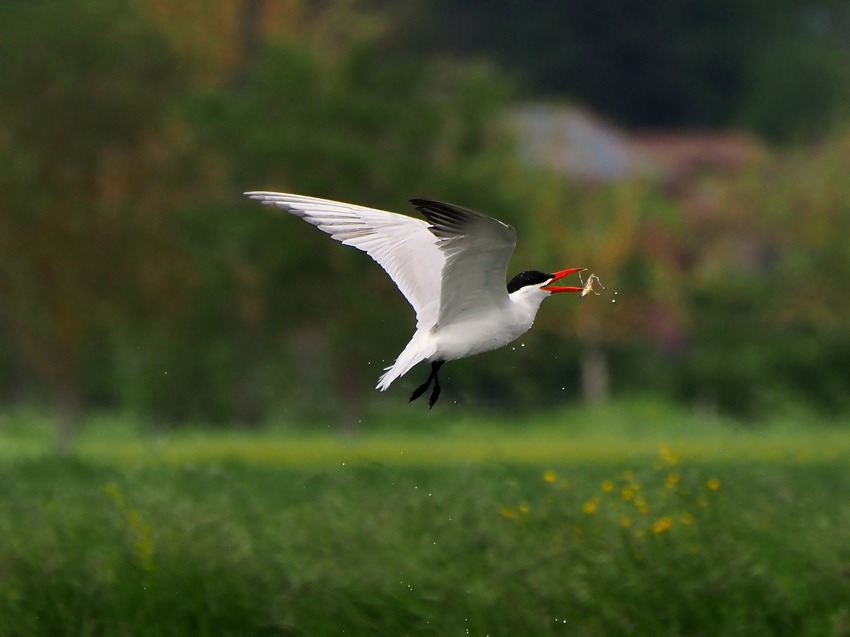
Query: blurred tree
x,y
795,274
603,228
780,68
349,125
130,276
80,140
754,264
162,298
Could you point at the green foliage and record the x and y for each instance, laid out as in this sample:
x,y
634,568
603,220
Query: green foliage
x,y
80,116
797,86
778,68
134,275
350,126
99,83
775,267
689,538
197,311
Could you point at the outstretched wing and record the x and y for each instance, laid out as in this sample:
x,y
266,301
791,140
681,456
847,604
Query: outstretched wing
x,y
401,245
477,251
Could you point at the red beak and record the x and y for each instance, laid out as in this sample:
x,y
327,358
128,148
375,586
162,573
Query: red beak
x,y
554,289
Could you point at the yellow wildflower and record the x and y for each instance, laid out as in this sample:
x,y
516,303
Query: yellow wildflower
x,y
671,481
114,492
668,456
661,525
627,493
508,513
625,523
607,486
524,508
686,518
549,476
641,505
589,507
713,484
144,538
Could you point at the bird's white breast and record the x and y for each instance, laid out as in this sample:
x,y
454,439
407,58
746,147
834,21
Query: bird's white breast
x,y
482,333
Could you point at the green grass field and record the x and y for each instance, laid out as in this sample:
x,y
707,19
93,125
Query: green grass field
x,y
631,520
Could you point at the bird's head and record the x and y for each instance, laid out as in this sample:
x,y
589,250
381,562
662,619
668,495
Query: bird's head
x,y
535,282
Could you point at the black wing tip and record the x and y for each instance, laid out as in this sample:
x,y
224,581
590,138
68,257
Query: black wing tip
x,y
444,207
448,220
442,212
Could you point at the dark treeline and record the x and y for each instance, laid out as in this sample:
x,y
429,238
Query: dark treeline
x,y
778,68
134,276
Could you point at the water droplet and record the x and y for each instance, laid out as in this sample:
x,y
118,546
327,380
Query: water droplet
x,y
522,344
613,300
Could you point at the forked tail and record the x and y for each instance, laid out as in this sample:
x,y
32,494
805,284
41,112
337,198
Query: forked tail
x,y
418,349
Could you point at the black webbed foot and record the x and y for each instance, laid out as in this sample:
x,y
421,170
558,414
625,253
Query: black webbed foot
x,y
434,395
435,368
420,390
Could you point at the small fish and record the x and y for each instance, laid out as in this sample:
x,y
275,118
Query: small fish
x,y
588,287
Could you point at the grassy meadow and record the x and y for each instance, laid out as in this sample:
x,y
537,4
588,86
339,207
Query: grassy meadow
x,y
635,519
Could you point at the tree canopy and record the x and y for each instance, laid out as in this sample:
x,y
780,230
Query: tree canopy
x,y
781,69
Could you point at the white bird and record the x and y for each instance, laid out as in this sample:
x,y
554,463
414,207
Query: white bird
x,y
451,269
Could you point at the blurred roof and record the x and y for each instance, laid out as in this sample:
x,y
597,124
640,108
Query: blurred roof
x,y
580,145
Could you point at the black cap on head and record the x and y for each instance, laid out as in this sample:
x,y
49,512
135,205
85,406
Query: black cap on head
x,y
529,277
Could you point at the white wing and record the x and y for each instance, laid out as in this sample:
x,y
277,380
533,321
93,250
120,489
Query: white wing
x,y
401,245
477,250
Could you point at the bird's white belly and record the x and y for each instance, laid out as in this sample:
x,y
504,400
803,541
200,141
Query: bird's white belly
x,y
467,338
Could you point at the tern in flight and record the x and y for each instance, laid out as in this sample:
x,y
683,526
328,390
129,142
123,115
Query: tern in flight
x,y
451,269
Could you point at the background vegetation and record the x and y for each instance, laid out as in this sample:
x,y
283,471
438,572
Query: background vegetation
x,y
667,458
631,519
777,68
134,277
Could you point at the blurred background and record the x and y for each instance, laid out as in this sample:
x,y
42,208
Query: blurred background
x,y
695,156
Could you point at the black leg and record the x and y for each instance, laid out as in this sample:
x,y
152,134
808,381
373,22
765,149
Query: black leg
x,y
435,367
421,389
436,393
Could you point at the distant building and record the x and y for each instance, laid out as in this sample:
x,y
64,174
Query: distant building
x,y
582,146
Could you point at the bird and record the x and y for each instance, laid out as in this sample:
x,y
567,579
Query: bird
x,y
451,267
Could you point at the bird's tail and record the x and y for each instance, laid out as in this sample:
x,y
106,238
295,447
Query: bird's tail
x,y
418,349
